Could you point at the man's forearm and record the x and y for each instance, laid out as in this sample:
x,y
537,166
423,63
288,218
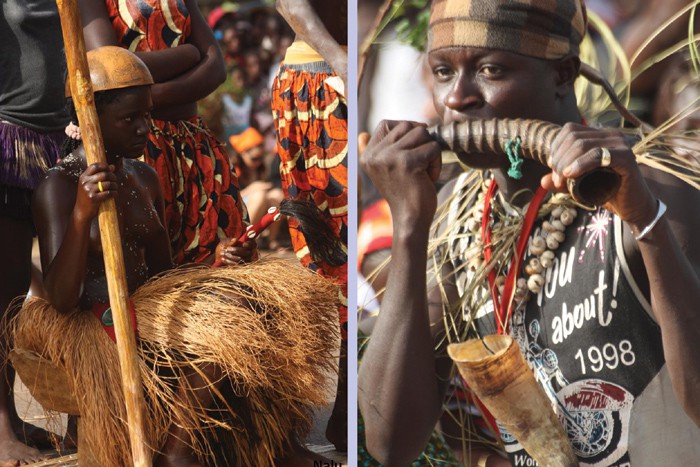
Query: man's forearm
x,y
675,294
398,390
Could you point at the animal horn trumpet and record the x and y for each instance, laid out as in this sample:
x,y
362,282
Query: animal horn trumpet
x,y
536,136
496,371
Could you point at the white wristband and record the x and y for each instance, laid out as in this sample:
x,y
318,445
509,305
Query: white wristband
x,y
647,229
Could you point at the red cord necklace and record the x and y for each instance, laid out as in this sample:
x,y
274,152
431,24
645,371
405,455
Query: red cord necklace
x,y
503,305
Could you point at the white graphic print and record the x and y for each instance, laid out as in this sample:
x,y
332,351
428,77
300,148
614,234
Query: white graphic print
x,y
597,417
596,232
594,413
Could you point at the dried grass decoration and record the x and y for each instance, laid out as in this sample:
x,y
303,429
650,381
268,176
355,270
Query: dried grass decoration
x,y
270,327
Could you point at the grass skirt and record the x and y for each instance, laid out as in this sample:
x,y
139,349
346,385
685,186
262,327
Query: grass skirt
x,y
270,327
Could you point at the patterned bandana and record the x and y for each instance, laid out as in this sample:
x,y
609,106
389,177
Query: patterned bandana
x,y
547,29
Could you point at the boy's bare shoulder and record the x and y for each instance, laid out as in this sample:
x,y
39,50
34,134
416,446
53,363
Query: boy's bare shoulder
x,y
65,173
70,167
143,171
58,189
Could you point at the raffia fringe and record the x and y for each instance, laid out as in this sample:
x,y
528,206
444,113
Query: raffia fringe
x,y
26,155
270,327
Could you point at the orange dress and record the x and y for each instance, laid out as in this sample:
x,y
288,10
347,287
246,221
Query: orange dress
x,y
202,198
312,142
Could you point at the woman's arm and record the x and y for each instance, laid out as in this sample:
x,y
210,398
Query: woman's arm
x,y
63,219
163,64
183,74
308,26
203,78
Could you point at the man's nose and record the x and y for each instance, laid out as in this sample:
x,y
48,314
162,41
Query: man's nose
x,y
464,95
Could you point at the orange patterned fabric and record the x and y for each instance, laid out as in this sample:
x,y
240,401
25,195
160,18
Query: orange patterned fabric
x,y
312,142
375,230
146,25
202,199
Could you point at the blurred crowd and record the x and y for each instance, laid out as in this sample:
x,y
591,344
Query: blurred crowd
x,y
253,38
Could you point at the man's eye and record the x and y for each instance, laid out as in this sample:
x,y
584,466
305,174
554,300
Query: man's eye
x,y
127,119
442,72
491,70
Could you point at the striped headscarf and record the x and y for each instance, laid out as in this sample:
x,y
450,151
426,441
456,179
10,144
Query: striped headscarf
x,y
547,29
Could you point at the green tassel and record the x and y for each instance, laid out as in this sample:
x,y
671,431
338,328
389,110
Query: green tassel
x,y
513,152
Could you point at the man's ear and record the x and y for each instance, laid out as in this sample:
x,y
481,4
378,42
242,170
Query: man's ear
x,y
567,70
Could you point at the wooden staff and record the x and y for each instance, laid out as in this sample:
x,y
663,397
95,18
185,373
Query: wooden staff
x,y
84,101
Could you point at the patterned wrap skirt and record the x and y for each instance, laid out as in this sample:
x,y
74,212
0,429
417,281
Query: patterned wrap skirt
x,y
312,142
202,198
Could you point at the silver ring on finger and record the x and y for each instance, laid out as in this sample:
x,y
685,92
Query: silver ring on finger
x,y
605,157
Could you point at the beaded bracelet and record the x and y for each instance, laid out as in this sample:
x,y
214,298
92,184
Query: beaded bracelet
x,y
647,229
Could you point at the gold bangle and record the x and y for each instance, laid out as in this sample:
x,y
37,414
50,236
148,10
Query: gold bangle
x,y
483,459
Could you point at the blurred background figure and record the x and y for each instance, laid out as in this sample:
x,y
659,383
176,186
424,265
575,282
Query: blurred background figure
x,y
252,165
253,38
237,103
639,27
310,117
32,122
679,94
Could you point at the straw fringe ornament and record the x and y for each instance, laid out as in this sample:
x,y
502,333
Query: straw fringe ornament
x,y
25,155
269,328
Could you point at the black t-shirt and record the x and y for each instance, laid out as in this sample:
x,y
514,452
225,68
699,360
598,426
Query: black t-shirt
x,y
32,65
